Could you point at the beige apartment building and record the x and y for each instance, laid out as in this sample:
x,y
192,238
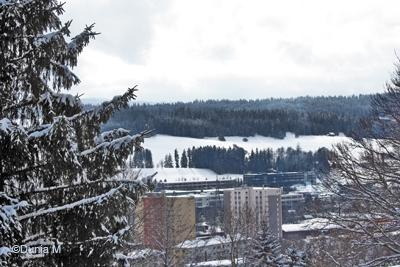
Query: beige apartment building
x,y
168,220
263,204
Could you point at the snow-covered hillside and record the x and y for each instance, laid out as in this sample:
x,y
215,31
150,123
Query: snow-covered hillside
x,y
160,145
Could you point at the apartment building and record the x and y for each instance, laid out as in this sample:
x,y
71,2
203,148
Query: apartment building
x,y
262,203
168,220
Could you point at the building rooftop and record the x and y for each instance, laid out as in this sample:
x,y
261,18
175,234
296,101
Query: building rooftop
x,y
309,225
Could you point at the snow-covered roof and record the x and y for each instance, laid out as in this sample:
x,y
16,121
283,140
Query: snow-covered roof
x,y
201,242
138,254
309,225
182,175
215,263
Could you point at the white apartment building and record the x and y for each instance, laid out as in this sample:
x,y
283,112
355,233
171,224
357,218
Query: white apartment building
x,y
264,202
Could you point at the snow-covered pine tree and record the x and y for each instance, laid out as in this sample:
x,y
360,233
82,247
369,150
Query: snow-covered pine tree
x,y
265,250
295,258
59,175
148,159
168,163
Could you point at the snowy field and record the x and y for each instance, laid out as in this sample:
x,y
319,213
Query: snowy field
x,y
160,145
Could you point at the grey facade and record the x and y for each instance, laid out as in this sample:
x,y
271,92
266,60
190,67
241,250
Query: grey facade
x,y
264,203
196,185
293,207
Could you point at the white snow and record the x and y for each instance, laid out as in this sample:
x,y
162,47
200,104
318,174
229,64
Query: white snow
x,y
46,38
5,251
138,254
160,145
113,145
199,242
179,175
216,263
6,125
98,199
42,132
308,225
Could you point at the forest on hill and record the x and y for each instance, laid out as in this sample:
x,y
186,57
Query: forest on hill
x,y
269,117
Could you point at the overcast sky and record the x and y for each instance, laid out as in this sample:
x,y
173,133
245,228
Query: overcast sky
x,y
231,49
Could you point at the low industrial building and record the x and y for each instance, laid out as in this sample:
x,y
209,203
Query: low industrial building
x,y
190,179
283,180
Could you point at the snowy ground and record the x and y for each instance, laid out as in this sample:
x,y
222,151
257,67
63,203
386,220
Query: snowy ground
x,y
160,145
309,225
179,175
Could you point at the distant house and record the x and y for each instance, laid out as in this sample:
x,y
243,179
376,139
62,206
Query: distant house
x,y
208,251
309,228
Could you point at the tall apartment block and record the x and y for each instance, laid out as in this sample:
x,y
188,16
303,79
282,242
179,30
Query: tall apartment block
x,y
167,220
263,203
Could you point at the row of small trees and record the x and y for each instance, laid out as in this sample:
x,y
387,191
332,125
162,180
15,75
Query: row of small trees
x,y
237,160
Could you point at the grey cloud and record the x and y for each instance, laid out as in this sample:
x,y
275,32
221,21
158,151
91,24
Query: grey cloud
x,y
125,25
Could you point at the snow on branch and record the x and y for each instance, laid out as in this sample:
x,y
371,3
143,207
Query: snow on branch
x,y
8,127
107,108
118,178
118,143
98,199
47,38
61,98
108,136
63,71
63,186
81,40
44,130
113,145
8,212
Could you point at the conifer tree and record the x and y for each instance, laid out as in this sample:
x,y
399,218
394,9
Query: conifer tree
x,y
295,258
62,181
184,160
190,157
265,250
138,159
148,159
168,163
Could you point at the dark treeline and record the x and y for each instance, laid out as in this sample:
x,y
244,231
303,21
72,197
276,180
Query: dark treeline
x,y
234,160
269,117
141,159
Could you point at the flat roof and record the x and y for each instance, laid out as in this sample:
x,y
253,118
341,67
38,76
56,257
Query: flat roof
x,y
309,225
